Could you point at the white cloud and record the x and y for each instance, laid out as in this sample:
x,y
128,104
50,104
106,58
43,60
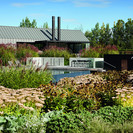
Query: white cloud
x,y
87,3
25,4
91,3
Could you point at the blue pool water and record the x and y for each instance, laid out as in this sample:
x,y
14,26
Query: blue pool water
x,y
59,74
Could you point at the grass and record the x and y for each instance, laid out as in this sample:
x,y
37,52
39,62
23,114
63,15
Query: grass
x,y
17,78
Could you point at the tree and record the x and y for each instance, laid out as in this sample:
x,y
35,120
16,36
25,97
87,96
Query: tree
x,y
119,34
105,35
26,23
108,35
45,25
102,38
94,35
34,24
129,33
87,34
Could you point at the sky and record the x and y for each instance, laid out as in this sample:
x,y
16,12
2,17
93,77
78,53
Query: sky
x,y
75,14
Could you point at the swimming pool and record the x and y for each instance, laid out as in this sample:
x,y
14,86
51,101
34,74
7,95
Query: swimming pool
x,y
59,74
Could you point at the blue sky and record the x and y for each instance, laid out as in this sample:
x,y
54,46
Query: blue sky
x,y
75,14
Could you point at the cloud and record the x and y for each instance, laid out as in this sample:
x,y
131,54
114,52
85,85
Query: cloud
x,y
25,4
87,3
91,3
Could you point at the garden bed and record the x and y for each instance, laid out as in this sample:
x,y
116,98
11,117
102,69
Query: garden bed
x,y
100,102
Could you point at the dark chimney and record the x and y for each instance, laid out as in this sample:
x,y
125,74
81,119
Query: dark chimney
x,y
59,30
53,28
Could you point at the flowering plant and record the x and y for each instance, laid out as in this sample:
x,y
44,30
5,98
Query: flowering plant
x,y
99,51
26,50
54,51
124,96
7,53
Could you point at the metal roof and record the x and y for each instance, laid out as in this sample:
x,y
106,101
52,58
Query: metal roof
x,y
22,34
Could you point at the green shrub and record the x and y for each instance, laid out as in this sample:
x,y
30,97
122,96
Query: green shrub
x,y
126,127
106,99
75,103
26,50
33,124
97,125
91,93
17,78
57,121
54,103
10,124
7,53
22,124
99,51
54,51
115,114
58,98
68,104
89,53
112,52
69,123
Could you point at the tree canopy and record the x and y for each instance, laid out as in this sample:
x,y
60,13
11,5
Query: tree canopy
x,y
26,23
121,34
45,25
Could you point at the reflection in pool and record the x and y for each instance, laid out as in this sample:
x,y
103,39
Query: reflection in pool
x,y
59,74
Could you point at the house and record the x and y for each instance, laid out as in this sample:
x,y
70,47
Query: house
x,y
40,37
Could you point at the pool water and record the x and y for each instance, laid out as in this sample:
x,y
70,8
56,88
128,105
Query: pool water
x,y
59,74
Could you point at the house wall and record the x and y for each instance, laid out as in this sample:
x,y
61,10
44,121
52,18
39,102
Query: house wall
x,y
74,48
64,45
14,41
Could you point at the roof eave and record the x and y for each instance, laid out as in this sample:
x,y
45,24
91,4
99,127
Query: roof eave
x,y
63,41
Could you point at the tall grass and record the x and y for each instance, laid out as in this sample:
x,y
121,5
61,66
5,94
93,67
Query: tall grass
x,y
22,77
26,50
7,53
99,51
54,51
